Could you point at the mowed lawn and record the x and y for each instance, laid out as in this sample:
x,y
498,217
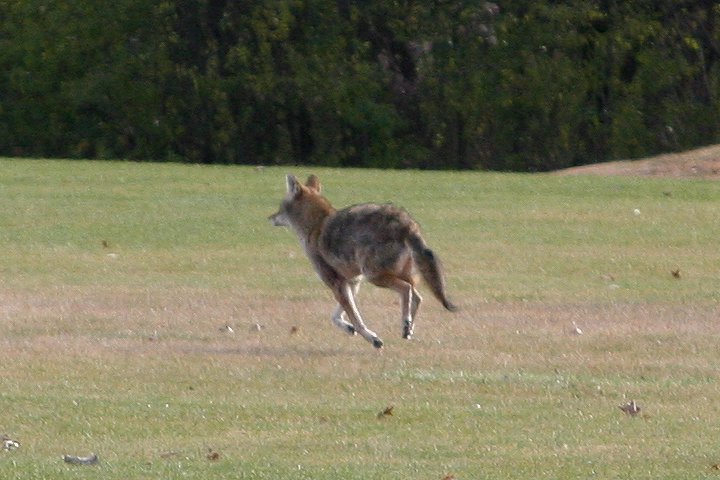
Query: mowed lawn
x,y
118,282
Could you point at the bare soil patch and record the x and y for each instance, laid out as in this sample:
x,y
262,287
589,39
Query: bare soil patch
x,y
699,163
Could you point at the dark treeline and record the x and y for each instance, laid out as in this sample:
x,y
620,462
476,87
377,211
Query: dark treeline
x,y
513,85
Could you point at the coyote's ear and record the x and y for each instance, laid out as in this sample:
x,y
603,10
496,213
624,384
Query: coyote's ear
x,y
293,186
313,182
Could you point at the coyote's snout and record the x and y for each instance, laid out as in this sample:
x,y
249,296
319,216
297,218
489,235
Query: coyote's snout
x,y
381,243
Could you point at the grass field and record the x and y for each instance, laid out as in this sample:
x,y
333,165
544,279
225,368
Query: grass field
x,y
117,280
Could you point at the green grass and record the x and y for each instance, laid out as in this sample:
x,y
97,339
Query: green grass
x,y
116,278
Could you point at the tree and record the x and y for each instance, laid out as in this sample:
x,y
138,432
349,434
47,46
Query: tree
x,y
454,84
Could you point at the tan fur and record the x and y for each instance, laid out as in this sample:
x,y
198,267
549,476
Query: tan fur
x,y
381,243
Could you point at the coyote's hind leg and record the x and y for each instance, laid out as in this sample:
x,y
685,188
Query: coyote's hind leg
x,y
409,324
409,298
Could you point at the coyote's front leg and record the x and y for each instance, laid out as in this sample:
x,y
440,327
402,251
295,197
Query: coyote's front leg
x,y
339,317
343,291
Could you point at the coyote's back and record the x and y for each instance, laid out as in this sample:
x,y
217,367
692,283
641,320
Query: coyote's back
x,y
381,243
369,237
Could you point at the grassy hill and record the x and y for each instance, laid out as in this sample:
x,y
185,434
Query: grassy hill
x,y
119,281
698,163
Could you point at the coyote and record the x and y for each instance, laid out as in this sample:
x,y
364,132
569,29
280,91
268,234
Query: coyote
x,y
380,243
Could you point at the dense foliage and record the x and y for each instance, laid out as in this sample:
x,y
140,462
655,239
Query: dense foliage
x,y
518,85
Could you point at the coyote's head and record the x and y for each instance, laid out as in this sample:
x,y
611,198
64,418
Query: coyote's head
x,y
301,204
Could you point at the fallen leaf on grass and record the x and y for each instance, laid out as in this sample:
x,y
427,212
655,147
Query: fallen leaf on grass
x,y
294,330
387,412
631,408
227,329
8,443
676,273
76,460
449,476
715,466
212,455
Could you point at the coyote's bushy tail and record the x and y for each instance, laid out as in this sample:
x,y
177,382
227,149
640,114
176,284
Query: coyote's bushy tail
x,y
430,269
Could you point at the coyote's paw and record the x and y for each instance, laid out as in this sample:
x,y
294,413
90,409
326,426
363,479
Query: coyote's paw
x,y
377,343
407,330
339,320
